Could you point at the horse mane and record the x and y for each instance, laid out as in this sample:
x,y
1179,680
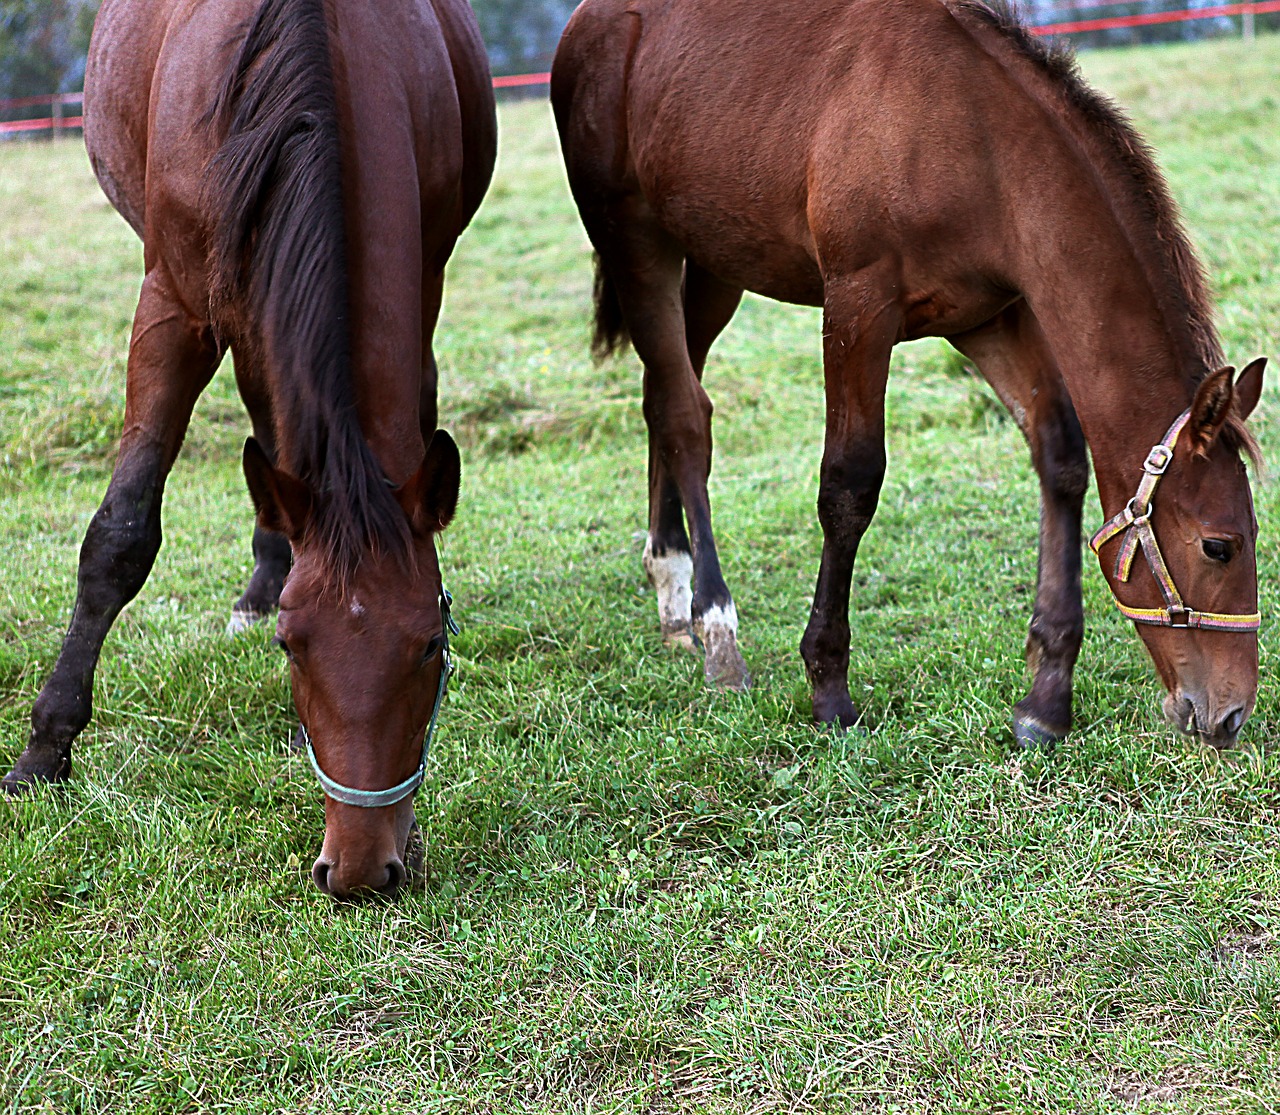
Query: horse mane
x,y
279,266
1108,122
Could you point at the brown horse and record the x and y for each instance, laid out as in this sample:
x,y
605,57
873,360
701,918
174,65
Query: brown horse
x,y
299,172
918,168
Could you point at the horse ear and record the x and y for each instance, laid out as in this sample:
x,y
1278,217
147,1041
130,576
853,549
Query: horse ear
x,y
283,502
1248,389
430,496
1210,409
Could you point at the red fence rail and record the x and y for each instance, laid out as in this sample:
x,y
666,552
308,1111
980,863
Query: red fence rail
x,y
1146,19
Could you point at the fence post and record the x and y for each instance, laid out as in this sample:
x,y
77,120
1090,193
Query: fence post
x,y
57,115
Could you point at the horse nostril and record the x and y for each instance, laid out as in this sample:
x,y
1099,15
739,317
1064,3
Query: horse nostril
x,y
1232,724
395,877
320,875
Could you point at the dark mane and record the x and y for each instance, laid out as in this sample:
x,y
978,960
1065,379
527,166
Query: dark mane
x,y
279,267
1172,249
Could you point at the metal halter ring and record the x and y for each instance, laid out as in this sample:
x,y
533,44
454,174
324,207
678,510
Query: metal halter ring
x,y
376,799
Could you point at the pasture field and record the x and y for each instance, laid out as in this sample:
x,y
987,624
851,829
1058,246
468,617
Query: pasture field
x,y
640,896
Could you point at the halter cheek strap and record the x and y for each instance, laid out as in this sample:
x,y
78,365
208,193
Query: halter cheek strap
x,y
1134,522
376,799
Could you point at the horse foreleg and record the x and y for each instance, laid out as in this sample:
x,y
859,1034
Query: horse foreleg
x,y
859,329
171,359
1012,354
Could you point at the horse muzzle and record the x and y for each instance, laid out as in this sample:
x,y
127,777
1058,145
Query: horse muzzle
x,y
1216,723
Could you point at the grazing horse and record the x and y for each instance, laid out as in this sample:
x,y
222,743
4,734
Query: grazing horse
x,y
298,171
918,168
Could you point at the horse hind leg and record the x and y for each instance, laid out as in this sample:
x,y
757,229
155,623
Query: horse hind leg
x,y
642,268
171,360
1012,354
709,304
272,554
272,560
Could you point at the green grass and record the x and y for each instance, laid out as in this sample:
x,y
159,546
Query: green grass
x,y
641,896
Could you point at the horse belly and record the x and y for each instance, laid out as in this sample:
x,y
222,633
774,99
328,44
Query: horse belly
x,y
747,255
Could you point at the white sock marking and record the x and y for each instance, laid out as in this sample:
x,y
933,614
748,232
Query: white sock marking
x,y
672,578
717,617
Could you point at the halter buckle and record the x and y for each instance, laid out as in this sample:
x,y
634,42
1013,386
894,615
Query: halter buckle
x,y
1157,460
1184,614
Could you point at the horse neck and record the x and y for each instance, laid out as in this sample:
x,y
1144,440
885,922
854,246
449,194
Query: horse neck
x,y
1120,325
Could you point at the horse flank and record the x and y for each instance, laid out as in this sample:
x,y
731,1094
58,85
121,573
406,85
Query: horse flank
x,y
279,270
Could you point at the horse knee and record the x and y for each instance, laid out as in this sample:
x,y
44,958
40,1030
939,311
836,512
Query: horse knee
x,y
119,547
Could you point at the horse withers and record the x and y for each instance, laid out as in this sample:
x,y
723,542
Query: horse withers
x,y
298,207
919,168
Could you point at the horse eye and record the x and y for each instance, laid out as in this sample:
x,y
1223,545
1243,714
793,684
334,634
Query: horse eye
x,y
279,642
1216,549
433,648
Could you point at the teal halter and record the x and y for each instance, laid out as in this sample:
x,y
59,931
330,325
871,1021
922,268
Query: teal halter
x,y
376,799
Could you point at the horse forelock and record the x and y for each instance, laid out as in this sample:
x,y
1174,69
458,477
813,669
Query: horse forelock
x,y
1180,272
278,265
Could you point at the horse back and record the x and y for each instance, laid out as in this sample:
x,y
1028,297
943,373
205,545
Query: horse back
x,y
416,123
780,148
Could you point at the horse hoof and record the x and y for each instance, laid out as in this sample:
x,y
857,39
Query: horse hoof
x,y
838,712
1034,736
724,667
728,674
29,775
717,630
680,638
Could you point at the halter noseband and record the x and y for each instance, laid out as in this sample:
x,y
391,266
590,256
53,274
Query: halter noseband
x,y
1136,520
375,799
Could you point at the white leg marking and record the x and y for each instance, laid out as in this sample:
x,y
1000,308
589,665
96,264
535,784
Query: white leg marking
x,y
725,618
672,578
241,620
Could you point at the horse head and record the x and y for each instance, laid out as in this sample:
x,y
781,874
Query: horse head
x,y
368,659
1195,597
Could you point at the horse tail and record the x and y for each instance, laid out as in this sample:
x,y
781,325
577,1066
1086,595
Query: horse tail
x,y
611,327
279,277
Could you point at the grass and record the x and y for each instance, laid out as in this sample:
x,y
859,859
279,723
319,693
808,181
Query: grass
x,y
640,896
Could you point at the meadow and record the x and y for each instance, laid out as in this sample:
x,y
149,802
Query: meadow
x,y
640,896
